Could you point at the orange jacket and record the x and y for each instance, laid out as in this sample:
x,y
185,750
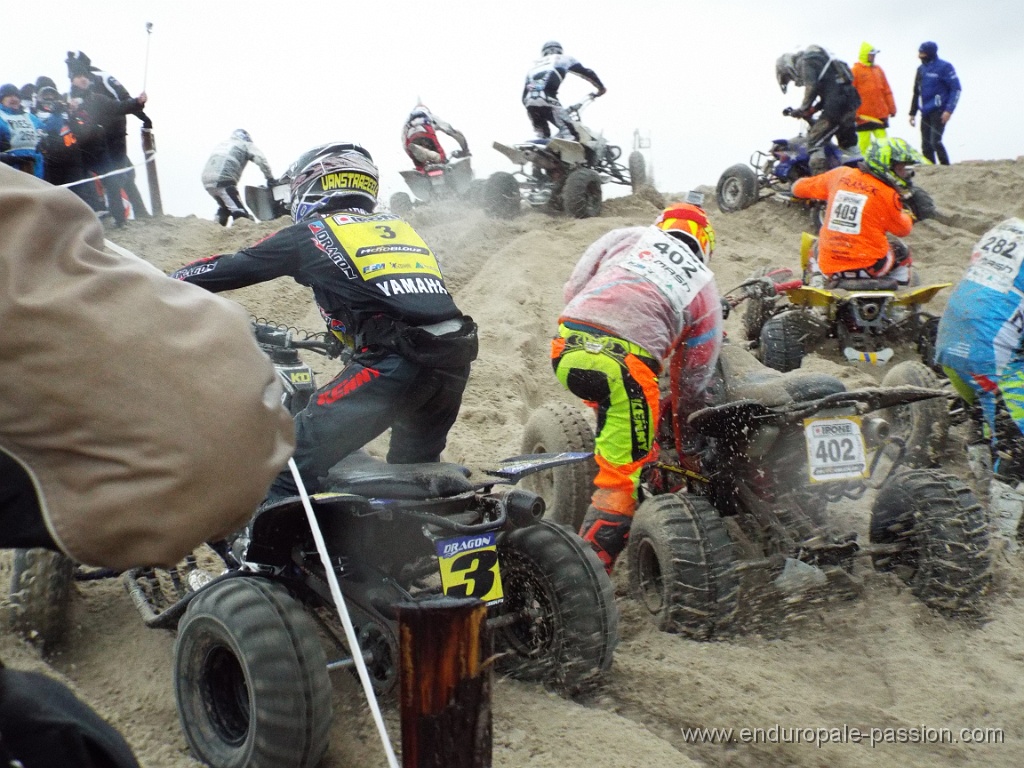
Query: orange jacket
x,y
876,101
853,235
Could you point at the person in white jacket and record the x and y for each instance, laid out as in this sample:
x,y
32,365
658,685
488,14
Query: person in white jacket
x,y
223,170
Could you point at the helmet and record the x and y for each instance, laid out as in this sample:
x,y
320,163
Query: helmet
x,y
883,154
419,112
331,177
785,70
242,134
550,47
689,224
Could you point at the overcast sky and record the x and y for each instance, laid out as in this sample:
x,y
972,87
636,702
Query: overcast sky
x,y
696,77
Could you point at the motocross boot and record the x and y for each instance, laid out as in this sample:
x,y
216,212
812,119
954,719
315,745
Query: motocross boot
x,y
607,533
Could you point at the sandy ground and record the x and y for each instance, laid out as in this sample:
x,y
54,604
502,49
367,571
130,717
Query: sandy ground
x,y
881,661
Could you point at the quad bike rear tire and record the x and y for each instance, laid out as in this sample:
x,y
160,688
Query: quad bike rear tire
x,y
682,567
568,625
566,490
737,188
758,310
400,203
637,171
816,216
501,195
923,426
581,194
250,678
781,343
946,559
40,595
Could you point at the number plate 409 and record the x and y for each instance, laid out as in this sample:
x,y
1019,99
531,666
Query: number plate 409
x,y
835,449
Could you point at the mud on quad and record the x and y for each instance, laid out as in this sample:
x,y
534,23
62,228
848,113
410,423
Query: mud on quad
x,y
777,450
251,669
563,175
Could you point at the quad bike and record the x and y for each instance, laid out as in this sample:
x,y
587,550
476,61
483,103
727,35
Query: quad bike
x,y
863,316
251,670
775,451
270,201
450,180
561,174
770,175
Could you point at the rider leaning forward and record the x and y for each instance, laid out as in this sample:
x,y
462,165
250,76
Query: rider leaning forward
x,y
981,332
379,286
640,299
865,205
421,142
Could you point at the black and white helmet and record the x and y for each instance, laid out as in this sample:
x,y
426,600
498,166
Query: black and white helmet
x,y
332,177
550,47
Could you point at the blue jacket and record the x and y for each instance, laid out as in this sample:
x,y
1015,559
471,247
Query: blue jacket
x,y
982,328
936,88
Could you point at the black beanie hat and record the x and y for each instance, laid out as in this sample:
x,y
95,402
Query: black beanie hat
x,y
9,89
42,81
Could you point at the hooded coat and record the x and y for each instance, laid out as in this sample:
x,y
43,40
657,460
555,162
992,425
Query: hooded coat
x,y
140,407
877,104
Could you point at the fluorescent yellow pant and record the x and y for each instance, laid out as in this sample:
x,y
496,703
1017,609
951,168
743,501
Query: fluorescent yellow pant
x,y
619,378
864,138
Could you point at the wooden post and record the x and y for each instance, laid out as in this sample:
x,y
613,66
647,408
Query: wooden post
x,y
445,681
149,152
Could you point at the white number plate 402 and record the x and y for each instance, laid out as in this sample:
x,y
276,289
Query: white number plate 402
x,y
835,449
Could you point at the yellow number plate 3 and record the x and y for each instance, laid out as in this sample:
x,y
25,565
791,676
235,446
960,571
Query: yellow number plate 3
x,y
469,567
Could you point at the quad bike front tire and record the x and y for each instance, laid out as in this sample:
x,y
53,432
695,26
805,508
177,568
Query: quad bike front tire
x,y
40,595
945,532
567,624
250,678
501,195
923,426
566,490
682,567
737,188
581,194
400,203
637,171
758,309
781,344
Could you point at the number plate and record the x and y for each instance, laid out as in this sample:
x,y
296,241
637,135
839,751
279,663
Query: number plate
x,y
469,567
835,449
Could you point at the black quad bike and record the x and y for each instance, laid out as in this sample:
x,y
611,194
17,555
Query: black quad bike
x,y
776,450
562,175
256,640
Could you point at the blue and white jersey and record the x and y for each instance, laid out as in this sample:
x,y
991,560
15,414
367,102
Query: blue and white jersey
x,y
982,328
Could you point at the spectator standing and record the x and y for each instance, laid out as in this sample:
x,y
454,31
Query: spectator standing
x,y
936,94
20,130
877,104
62,157
92,113
117,129
223,171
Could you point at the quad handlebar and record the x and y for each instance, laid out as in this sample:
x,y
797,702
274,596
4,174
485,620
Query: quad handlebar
x,y
326,344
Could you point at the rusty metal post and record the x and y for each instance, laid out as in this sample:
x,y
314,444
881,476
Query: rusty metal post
x,y
445,679
149,152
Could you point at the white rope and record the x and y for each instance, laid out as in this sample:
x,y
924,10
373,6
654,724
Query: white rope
x,y
149,158
346,620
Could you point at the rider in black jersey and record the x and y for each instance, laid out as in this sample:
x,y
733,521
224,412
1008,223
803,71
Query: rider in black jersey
x,y
379,286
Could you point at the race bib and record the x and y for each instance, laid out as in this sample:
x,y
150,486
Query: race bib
x,y
847,212
382,247
669,265
835,449
998,256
